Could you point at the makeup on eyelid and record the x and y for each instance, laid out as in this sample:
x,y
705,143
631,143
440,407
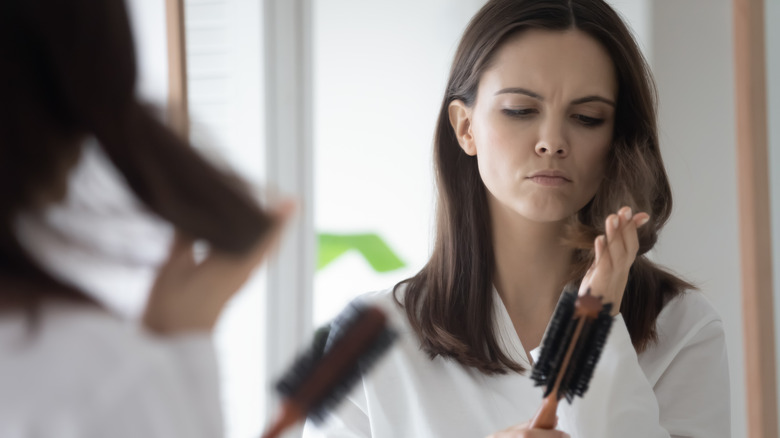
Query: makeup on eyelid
x,y
526,113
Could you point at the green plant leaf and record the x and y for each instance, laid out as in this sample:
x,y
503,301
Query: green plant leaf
x,y
377,253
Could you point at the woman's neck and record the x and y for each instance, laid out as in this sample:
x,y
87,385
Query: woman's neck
x,y
532,264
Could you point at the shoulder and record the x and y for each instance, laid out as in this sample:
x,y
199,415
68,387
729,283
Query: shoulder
x,y
688,324
78,341
72,335
688,312
78,362
95,339
391,302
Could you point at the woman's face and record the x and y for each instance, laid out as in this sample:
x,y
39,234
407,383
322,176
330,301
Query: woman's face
x,y
542,123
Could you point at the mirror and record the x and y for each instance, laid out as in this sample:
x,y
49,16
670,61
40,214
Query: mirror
x,y
688,45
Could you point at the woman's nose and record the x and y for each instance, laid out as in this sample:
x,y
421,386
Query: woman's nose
x,y
543,148
552,140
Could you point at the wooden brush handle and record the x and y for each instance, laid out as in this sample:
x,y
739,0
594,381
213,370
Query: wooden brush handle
x,y
344,355
586,307
546,417
288,416
330,369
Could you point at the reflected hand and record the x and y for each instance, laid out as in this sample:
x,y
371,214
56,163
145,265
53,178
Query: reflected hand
x,y
524,431
615,253
189,296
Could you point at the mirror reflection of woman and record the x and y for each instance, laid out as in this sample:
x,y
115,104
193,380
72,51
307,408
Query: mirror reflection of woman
x,y
548,173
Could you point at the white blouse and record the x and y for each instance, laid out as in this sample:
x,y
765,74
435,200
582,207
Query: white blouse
x,y
678,387
88,374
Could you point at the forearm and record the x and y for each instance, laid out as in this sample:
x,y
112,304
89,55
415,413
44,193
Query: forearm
x,y
687,400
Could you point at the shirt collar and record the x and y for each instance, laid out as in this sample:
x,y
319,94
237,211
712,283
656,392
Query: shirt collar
x,y
505,332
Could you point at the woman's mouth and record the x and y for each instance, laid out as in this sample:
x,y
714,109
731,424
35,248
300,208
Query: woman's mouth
x,y
550,178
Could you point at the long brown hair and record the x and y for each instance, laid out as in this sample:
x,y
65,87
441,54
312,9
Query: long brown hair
x,y
449,302
69,71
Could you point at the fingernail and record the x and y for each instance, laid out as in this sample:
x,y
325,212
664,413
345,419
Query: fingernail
x,y
627,213
643,221
615,222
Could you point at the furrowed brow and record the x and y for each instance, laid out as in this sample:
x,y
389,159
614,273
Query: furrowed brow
x,y
594,98
515,90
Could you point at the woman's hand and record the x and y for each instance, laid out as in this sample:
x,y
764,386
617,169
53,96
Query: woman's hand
x,y
615,253
189,296
524,431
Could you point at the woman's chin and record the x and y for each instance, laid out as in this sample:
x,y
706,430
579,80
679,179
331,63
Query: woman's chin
x,y
546,215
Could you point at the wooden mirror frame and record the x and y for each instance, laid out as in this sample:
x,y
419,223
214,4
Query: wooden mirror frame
x,y
754,218
177,112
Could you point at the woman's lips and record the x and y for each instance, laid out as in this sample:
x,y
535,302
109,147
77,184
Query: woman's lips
x,y
552,181
550,177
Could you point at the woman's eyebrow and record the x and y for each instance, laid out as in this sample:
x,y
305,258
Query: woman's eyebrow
x,y
594,98
581,100
515,90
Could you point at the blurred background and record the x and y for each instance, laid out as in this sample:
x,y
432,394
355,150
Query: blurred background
x,y
334,102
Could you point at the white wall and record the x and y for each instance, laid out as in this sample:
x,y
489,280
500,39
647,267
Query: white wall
x,y
638,17
147,20
692,60
380,69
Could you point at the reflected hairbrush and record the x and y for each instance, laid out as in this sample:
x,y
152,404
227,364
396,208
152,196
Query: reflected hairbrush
x,y
570,350
323,375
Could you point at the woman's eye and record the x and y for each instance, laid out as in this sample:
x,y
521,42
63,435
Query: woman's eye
x,y
588,121
519,113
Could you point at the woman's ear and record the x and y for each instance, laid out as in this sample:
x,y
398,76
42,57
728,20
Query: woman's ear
x,y
460,119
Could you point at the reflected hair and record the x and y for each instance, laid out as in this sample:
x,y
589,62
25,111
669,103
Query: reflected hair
x,y
449,303
69,71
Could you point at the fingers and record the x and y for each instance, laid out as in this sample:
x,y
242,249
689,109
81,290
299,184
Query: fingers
x,y
610,253
522,431
228,272
600,246
629,235
180,255
181,248
621,235
614,254
189,295
280,217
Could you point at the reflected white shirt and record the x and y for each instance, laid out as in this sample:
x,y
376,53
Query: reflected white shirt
x,y
678,387
88,374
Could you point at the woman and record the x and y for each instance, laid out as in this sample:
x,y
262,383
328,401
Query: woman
x,y
548,173
68,367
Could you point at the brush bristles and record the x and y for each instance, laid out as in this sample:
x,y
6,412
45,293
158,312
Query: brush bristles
x,y
296,384
592,346
558,333
585,354
339,391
